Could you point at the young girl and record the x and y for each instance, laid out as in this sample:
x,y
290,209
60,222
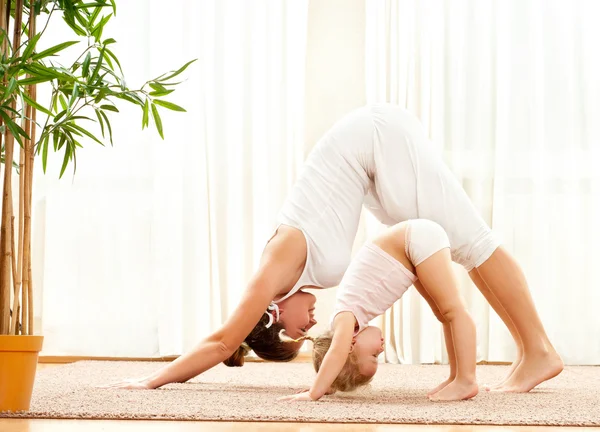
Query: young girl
x,y
416,253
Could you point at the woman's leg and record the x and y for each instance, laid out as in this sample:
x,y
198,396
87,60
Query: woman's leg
x,y
506,282
499,309
447,336
439,282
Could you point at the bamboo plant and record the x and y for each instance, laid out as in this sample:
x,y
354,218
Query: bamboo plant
x,y
78,111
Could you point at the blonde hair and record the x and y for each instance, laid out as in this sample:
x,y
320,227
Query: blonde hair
x,y
349,378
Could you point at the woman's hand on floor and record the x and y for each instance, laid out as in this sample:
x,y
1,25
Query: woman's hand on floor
x,y
130,384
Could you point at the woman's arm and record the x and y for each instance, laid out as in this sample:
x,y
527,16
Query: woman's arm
x,y
281,265
334,361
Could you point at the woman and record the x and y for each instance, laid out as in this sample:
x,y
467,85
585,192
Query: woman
x,y
380,157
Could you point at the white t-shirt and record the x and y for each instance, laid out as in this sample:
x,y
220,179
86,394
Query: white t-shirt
x,y
378,156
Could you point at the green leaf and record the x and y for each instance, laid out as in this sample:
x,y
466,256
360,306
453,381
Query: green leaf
x,y
97,4
157,121
12,84
145,115
71,22
61,141
158,87
109,108
161,93
45,152
74,95
36,105
14,111
101,94
169,105
34,80
14,128
53,50
63,101
79,18
97,68
81,118
100,121
85,132
108,126
38,70
55,138
70,131
130,98
109,41
31,43
96,32
177,72
66,160
94,15
114,57
55,101
59,115
109,63
86,64
172,83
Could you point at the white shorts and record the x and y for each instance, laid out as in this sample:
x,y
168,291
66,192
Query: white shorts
x,y
411,181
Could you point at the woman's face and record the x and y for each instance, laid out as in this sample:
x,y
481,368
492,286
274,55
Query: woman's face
x,y
297,314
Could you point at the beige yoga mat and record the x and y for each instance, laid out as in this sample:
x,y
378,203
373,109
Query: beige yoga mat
x,y
249,393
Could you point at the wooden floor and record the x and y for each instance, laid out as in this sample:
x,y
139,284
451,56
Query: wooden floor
x,y
53,425
27,425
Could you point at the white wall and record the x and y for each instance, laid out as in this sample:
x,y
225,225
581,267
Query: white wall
x,y
335,85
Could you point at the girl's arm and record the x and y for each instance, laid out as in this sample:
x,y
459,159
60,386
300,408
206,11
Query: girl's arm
x,y
282,261
335,359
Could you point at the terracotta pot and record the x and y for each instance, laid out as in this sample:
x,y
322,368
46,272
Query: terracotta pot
x,y
18,363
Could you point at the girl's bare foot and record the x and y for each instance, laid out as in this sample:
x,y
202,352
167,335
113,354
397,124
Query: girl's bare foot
x,y
441,386
456,390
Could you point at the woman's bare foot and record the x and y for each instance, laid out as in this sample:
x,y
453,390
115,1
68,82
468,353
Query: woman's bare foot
x,y
441,386
512,369
456,390
534,369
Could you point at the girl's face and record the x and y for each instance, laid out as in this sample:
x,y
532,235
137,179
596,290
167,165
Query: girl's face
x,y
367,345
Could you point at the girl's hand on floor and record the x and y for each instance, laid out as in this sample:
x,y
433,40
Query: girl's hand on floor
x,y
304,396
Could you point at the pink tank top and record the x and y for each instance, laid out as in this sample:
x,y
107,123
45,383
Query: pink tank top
x,y
372,284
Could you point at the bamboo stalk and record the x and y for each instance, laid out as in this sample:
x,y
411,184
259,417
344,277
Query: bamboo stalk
x,y
29,157
30,154
15,306
4,289
24,257
17,277
5,231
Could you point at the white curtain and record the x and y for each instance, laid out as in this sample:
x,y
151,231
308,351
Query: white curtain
x,y
148,247
509,93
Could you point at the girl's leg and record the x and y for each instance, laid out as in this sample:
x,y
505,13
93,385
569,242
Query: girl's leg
x,y
438,280
505,280
447,337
